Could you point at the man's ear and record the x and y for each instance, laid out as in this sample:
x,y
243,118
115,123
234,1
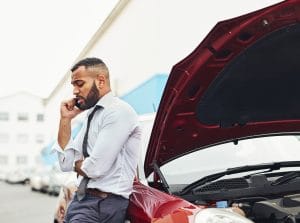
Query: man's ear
x,y
100,81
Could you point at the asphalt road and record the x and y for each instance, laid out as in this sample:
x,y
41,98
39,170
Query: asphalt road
x,y
19,204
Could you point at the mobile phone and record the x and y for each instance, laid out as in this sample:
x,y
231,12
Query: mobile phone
x,y
77,104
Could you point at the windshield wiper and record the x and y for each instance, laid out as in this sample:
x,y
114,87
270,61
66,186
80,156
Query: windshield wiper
x,y
270,166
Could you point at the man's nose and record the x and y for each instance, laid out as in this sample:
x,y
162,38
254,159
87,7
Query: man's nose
x,y
75,91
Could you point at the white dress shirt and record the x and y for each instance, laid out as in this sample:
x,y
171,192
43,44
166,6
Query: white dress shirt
x,y
113,146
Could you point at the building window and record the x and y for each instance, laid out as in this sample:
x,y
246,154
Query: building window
x,y
22,116
39,138
4,116
22,160
22,138
4,137
3,160
40,117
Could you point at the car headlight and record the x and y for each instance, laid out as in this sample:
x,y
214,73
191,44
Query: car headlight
x,y
220,215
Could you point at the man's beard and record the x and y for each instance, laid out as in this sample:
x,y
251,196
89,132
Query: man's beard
x,y
91,99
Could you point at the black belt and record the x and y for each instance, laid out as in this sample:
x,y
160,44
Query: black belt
x,y
97,193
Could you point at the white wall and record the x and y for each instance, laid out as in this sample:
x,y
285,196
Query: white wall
x,y
149,37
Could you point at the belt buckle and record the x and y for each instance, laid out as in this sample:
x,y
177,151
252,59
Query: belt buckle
x,y
97,192
101,194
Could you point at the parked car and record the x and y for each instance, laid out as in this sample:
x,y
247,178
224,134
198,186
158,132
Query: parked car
x,y
39,181
224,146
3,175
57,179
18,176
66,192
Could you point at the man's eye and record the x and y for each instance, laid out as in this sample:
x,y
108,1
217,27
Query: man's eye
x,y
80,83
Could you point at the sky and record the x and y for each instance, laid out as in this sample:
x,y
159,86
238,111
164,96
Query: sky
x,y
41,39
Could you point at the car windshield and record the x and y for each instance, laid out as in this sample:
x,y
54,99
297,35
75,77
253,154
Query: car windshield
x,y
196,165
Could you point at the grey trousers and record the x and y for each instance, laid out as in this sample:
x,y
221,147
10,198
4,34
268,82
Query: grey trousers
x,y
94,209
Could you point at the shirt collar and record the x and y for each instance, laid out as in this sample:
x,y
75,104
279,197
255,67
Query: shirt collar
x,y
103,102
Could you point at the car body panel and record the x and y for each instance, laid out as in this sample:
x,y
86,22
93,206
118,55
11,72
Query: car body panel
x,y
158,207
198,111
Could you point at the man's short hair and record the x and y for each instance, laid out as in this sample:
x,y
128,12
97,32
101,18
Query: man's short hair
x,y
89,62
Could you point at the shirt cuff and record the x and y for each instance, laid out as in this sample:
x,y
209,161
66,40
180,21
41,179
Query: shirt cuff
x,y
56,147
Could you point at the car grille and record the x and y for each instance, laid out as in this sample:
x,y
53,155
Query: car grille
x,y
224,185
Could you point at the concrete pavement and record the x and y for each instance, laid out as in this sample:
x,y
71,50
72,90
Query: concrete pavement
x,y
19,204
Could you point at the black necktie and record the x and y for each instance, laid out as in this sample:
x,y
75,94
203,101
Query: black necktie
x,y
82,186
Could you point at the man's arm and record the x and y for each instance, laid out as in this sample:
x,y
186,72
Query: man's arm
x,y
66,156
68,111
64,132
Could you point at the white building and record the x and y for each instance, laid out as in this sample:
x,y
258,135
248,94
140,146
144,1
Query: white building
x,y
22,131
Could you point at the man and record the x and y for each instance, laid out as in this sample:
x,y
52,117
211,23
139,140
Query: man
x,y
105,152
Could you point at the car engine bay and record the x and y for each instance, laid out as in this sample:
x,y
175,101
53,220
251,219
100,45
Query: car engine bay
x,y
262,198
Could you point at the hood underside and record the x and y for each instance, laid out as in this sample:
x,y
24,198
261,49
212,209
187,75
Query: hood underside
x,y
242,81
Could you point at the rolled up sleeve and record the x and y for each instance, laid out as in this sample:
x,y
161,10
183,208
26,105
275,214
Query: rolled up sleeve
x,y
67,156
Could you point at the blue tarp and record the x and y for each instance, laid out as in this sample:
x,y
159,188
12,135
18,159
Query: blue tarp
x,y
145,98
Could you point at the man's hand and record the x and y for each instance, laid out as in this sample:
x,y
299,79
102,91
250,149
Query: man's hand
x,y
67,112
77,168
68,109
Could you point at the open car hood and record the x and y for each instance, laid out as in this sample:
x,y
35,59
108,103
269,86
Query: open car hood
x,y
242,81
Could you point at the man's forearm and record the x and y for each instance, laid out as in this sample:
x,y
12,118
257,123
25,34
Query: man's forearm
x,y
64,132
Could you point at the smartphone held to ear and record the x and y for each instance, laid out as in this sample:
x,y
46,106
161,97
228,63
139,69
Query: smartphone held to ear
x,y
77,104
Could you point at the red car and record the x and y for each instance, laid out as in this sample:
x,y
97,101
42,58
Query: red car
x,y
240,85
225,142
